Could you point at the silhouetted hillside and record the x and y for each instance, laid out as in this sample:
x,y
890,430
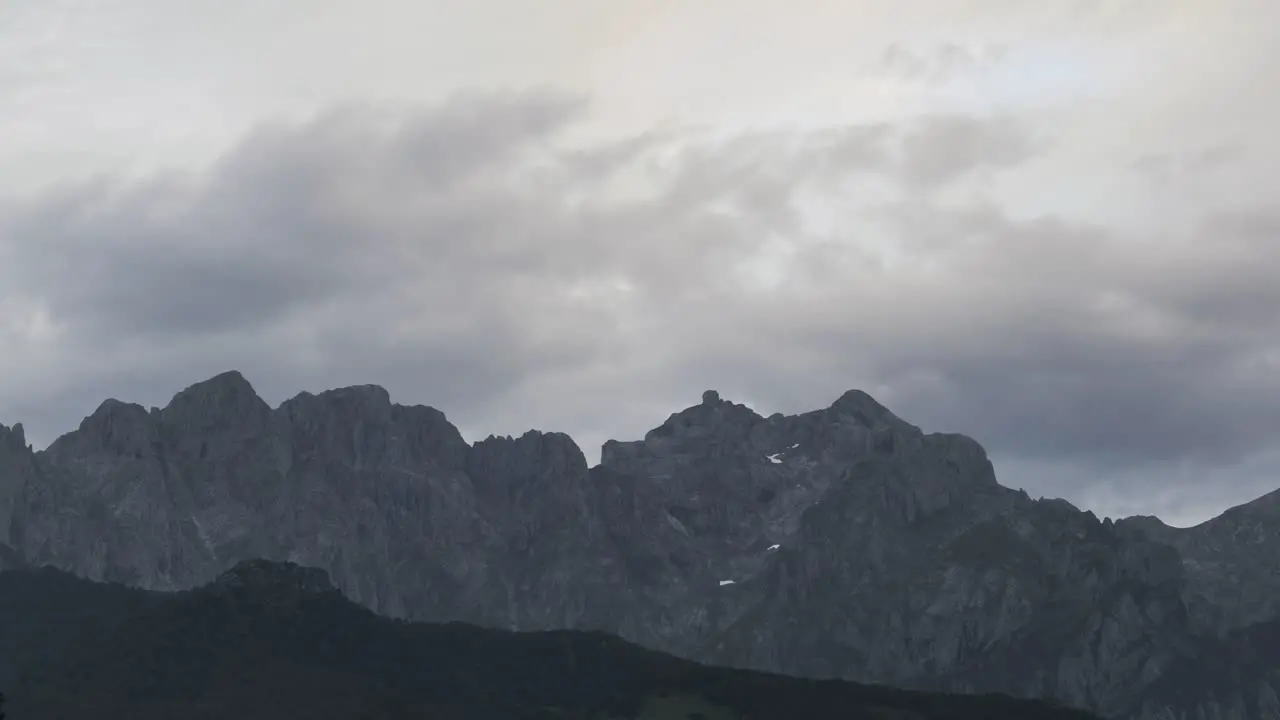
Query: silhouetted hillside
x,y
274,640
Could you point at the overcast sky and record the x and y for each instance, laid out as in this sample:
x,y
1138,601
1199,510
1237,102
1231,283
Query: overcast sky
x,y
1051,225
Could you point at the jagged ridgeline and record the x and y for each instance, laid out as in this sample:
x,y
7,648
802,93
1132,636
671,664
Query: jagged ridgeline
x,y
843,542
272,640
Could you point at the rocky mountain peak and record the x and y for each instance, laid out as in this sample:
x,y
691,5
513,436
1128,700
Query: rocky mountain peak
x,y
554,451
714,417
116,428
17,468
359,424
366,399
864,409
226,387
1265,507
13,438
537,463
345,405
1144,525
222,402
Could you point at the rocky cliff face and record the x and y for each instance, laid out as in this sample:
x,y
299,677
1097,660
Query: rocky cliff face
x,y
841,542
1232,563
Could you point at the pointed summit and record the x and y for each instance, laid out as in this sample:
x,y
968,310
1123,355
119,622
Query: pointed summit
x,y
116,427
859,400
229,384
13,437
17,468
868,411
222,399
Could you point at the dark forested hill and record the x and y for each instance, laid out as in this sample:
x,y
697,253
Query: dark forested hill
x,y
275,640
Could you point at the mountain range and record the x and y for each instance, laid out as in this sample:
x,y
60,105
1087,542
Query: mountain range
x,y
274,640
840,543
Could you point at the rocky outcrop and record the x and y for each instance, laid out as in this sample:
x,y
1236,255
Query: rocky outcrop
x,y
843,542
17,471
1232,563
1233,677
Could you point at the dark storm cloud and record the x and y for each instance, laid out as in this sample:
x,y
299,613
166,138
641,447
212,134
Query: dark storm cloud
x,y
471,257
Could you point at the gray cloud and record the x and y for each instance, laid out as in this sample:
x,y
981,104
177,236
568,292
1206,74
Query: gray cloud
x,y
1169,167
1052,341
471,256
940,64
943,149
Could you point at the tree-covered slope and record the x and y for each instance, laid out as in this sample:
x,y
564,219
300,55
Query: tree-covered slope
x,y
275,640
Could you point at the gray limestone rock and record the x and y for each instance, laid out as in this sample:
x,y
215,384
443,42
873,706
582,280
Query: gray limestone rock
x,y
842,542
1232,563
